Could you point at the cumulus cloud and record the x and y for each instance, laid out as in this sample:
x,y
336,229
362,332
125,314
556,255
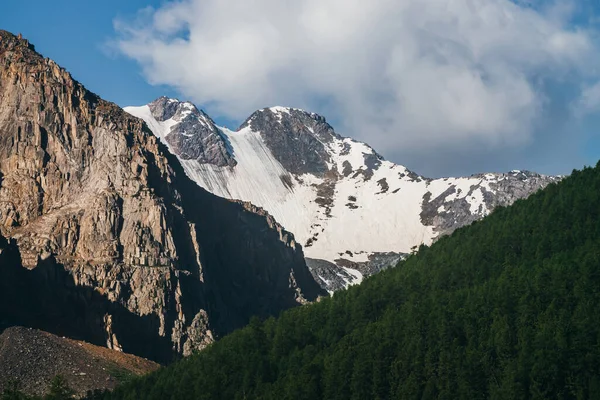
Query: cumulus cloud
x,y
399,74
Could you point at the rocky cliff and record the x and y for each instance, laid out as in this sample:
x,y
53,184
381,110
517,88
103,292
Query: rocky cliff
x,y
97,215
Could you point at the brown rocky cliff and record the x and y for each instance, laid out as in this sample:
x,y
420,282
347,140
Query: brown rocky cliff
x,y
85,188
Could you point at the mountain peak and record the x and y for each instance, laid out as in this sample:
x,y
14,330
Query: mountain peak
x,y
282,109
165,108
286,116
298,139
188,132
10,41
291,111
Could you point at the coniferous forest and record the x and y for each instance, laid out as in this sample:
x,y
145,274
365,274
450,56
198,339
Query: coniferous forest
x,y
507,308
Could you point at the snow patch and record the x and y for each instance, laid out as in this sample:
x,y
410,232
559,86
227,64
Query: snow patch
x,y
356,274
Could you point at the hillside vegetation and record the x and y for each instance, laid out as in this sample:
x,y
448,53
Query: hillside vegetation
x,y
507,308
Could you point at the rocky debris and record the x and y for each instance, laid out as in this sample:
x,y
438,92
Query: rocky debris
x,y
296,138
376,262
194,136
325,192
352,203
334,276
32,358
102,221
330,276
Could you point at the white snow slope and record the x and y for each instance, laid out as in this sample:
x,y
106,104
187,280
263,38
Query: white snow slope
x,y
364,218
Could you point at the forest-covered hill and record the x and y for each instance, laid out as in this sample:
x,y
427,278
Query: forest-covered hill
x,y
507,308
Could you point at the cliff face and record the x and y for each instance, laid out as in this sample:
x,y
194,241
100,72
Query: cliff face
x,y
90,195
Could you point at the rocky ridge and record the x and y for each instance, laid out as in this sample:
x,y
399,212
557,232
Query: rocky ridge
x,y
99,222
195,136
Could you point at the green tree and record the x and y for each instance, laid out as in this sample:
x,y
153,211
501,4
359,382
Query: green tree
x,y
59,389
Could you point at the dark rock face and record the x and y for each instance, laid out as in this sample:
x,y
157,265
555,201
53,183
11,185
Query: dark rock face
x,y
383,185
195,136
347,168
376,262
333,277
106,237
372,161
164,108
296,138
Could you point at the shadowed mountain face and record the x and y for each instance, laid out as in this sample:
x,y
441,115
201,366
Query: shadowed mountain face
x,y
93,206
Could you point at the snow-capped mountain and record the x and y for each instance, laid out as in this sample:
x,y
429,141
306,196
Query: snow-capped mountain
x,y
353,211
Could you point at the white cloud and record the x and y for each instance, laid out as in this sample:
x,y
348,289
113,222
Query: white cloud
x,y
422,74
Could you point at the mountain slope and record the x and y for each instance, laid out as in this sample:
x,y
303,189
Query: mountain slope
x,y
33,358
504,308
108,238
344,203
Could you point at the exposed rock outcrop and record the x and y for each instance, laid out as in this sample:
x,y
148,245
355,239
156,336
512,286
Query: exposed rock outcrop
x,y
90,198
452,209
296,138
194,135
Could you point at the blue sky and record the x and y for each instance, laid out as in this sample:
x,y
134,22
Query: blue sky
x,y
448,91
75,34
